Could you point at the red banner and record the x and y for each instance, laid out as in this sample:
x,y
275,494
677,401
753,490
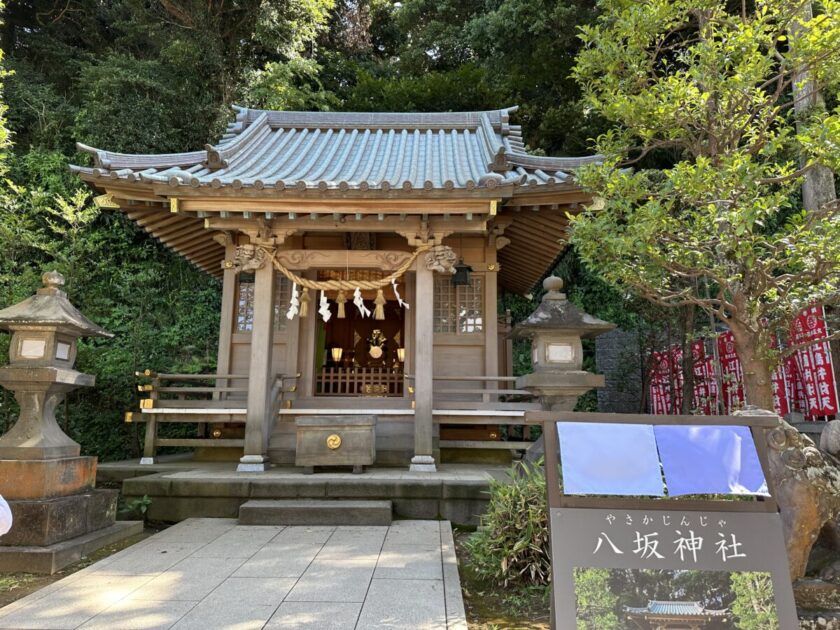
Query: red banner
x,y
705,383
814,364
779,382
660,384
732,374
666,382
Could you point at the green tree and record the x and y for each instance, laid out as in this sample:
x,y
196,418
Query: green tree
x,y
754,607
596,602
700,98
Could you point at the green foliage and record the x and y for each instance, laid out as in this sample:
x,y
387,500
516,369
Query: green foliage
x,y
754,607
700,102
139,506
464,88
134,105
511,547
596,602
291,86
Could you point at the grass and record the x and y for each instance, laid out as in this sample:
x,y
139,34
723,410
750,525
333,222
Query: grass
x,y
491,607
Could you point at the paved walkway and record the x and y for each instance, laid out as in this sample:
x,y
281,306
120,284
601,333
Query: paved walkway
x,y
212,573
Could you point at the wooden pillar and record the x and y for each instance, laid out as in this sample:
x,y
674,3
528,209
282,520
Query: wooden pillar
x,y
423,460
260,377
226,320
491,317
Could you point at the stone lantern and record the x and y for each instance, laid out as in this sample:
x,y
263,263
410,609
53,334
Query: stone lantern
x,y
42,353
58,515
556,329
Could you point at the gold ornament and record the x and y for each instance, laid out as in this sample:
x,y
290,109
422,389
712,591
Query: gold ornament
x,y
334,442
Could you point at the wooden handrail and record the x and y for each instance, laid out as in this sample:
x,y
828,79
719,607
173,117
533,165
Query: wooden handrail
x,y
498,392
188,377
506,379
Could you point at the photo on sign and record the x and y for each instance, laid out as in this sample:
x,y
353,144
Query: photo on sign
x,y
661,599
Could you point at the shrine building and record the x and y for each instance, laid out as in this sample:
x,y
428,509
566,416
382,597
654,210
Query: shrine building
x,y
676,615
361,257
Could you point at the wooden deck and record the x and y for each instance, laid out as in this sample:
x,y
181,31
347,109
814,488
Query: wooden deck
x,y
219,410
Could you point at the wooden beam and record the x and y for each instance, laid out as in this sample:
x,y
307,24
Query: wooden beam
x,y
517,237
181,238
199,249
547,198
329,206
158,222
187,240
367,223
183,226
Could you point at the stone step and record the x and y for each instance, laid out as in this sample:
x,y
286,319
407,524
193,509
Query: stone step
x,y
315,512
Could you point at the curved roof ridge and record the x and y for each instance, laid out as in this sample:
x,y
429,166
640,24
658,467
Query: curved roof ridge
x,y
499,119
218,155
521,158
113,160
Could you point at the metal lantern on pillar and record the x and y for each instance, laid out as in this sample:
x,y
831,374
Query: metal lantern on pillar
x,y
337,353
462,274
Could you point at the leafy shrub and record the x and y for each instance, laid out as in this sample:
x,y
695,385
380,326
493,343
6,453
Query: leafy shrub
x,y
511,547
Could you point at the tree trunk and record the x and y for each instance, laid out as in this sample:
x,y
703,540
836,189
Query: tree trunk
x,y
818,186
755,360
804,482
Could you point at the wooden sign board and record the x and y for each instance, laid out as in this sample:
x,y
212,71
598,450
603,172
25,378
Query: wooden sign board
x,y
605,547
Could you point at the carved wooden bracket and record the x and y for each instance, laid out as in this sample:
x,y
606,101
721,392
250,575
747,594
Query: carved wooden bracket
x,y
441,258
249,258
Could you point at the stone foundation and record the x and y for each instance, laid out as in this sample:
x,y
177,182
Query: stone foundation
x,y
43,522
46,478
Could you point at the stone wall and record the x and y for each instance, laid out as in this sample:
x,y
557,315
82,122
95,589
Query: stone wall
x,y
826,621
617,357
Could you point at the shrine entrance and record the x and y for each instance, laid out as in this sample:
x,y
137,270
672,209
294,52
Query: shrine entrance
x,y
357,354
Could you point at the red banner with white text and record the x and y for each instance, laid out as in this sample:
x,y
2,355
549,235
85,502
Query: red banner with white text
x,y
731,374
818,394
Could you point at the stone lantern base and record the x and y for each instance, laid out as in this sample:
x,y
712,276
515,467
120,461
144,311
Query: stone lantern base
x,y
58,515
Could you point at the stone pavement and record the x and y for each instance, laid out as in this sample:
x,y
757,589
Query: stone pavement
x,y
212,573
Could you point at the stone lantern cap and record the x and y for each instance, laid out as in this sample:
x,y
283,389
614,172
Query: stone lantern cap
x,y
50,307
557,315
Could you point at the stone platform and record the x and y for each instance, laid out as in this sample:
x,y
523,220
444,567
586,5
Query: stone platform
x,y
212,573
181,489
51,558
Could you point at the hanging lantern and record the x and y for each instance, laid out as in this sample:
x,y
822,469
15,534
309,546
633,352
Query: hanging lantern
x,y
341,300
337,353
379,311
401,355
462,274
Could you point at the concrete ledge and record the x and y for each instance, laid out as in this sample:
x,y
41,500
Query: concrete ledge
x,y
456,616
271,489
219,492
57,556
466,489
314,512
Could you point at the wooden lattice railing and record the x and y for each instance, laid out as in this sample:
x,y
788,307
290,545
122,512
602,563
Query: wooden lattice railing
x,y
191,399
358,381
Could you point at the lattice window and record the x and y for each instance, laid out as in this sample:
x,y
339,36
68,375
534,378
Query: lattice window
x,y
282,295
460,309
245,303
